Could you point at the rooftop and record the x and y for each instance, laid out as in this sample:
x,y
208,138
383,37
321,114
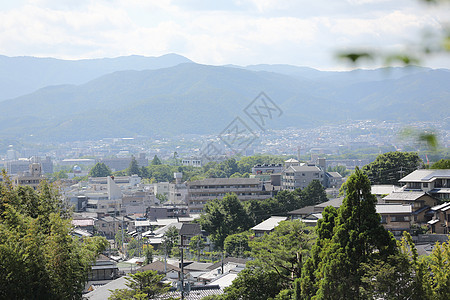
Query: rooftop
x,y
393,209
269,224
426,175
404,196
224,181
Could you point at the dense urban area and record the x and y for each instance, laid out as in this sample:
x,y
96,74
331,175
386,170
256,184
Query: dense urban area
x,y
345,211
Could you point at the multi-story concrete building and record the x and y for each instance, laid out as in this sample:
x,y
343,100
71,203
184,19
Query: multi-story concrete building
x,y
121,163
192,161
21,165
202,191
295,177
267,169
31,178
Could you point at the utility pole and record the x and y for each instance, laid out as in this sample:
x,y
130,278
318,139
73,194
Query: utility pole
x,y
182,268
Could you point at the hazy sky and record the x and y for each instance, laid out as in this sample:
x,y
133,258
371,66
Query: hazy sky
x,y
243,32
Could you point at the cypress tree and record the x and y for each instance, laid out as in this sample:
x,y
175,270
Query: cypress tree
x,y
358,238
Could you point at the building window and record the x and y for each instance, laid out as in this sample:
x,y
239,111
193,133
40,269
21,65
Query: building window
x,y
425,184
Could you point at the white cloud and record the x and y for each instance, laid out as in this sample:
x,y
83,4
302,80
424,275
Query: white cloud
x,y
240,32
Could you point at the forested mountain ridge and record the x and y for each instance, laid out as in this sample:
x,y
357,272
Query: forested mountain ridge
x,y
194,98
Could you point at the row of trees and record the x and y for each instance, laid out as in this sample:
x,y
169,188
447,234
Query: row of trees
x,y
39,258
348,255
229,216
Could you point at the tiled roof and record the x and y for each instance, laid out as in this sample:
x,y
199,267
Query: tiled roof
x,y
404,196
393,209
425,175
336,202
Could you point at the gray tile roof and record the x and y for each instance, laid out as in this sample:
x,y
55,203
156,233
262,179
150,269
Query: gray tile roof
x,y
303,168
302,211
190,229
336,202
425,175
103,292
393,209
404,196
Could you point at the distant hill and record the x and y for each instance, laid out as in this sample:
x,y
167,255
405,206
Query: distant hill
x,y
194,98
23,75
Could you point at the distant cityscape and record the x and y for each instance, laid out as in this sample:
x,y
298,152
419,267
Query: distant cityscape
x,y
364,137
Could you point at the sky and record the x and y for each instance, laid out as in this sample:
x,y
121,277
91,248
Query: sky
x,y
217,32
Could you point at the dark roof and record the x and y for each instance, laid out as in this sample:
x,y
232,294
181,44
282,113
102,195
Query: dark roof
x,y
159,267
226,260
404,196
426,207
196,293
302,211
190,229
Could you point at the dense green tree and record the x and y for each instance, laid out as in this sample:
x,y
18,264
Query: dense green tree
x,y
170,240
313,194
342,170
390,167
284,250
286,202
148,254
223,217
196,245
133,168
312,269
441,164
161,197
358,238
100,170
237,244
156,161
253,283
160,173
39,258
236,175
142,285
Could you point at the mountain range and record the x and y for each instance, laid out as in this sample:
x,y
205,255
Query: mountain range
x,y
130,96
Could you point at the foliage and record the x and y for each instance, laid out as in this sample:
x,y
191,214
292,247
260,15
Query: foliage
x,y
342,170
441,164
39,259
156,161
148,254
170,240
358,238
311,272
197,244
135,246
224,217
161,197
284,250
390,167
133,168
313,194
253,284
142,285
237,245
100,170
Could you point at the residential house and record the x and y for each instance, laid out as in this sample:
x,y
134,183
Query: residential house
x,y
433,182
440,221
268,225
